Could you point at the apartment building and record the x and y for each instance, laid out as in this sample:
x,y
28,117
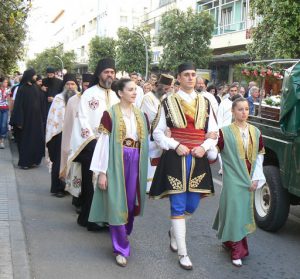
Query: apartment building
x,y
73,23
152,17
232,32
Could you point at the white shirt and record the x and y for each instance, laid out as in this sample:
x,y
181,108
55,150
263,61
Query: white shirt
x,y
101,153
213,102
139,96
170,143
224,115
258,173
150,106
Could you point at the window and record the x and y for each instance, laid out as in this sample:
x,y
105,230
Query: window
x,y
229,15
123,19
165,2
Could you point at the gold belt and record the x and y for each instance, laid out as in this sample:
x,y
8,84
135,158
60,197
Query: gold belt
x,y
131,143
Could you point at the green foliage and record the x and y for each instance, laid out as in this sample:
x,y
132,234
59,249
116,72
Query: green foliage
x,y
185,36
100,48
278,34
13,15
131,55
47,58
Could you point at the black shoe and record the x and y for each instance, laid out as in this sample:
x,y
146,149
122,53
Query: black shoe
x,y
93,227
78,209
59,194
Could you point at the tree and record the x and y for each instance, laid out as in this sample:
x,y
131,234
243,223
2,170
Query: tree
x,y
12,33
47,58
278,33
185,36
131,55
100,47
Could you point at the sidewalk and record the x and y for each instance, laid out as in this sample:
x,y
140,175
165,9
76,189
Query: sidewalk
x,y
14,260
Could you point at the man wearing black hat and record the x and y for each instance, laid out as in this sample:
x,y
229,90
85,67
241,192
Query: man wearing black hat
x,y
95,100
51,85
28,120
86,79
183,172
54,128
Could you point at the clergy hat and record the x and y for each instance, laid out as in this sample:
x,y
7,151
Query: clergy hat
x,y
87,77
165,79
69,77
50,70
105,63
186,66
27,76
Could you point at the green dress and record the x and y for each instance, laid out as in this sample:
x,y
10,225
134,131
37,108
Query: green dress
x,y
235,216
111,205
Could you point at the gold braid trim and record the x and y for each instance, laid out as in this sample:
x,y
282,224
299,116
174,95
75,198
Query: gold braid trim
x,y
140,126
122,126
175,183
175,111
252,146
196,181
103,130
201,112
156,119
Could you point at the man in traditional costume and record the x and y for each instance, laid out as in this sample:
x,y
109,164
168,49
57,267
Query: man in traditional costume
x,y
51,86
95,100
150,105
120,159
183,172
28,120
54,128
242,152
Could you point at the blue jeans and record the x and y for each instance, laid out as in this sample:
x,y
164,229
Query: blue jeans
x,y
3,123
187,202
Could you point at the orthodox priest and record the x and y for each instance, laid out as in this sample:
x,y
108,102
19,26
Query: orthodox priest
x,y
28,120
51,86
86,79
95,100
183,172
54,128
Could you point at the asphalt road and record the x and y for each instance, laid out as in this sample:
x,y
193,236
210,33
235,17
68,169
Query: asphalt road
x,y
59,248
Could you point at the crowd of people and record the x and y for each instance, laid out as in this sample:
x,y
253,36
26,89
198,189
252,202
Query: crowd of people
x,y
111,141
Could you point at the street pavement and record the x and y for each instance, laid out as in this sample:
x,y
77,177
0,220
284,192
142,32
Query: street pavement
x,y
58,248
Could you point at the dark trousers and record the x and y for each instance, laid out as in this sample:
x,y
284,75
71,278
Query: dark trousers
x,y
54,148
87,187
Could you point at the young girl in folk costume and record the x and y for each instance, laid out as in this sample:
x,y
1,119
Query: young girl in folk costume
x,y
121,160
242,152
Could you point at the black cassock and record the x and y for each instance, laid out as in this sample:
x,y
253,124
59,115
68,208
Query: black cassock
x,y
28,119
55,86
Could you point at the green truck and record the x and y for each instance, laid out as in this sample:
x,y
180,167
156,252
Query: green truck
x,y
282,158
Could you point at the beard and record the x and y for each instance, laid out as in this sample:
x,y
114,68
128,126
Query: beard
x,y
159,92
107,82
32,81
68,94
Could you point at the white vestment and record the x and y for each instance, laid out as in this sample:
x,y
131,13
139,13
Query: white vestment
x,y
93,103
150,105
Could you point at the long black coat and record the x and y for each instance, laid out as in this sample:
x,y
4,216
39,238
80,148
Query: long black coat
x,y
28,119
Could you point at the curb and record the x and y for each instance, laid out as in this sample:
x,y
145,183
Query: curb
x,y
13,249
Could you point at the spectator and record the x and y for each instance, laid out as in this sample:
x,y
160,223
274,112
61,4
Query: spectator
x,y
4,108
212,89
254,97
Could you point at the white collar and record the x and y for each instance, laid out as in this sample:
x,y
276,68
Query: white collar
x,y
188,97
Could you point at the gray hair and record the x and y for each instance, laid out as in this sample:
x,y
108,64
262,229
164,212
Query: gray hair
x,y
253,89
